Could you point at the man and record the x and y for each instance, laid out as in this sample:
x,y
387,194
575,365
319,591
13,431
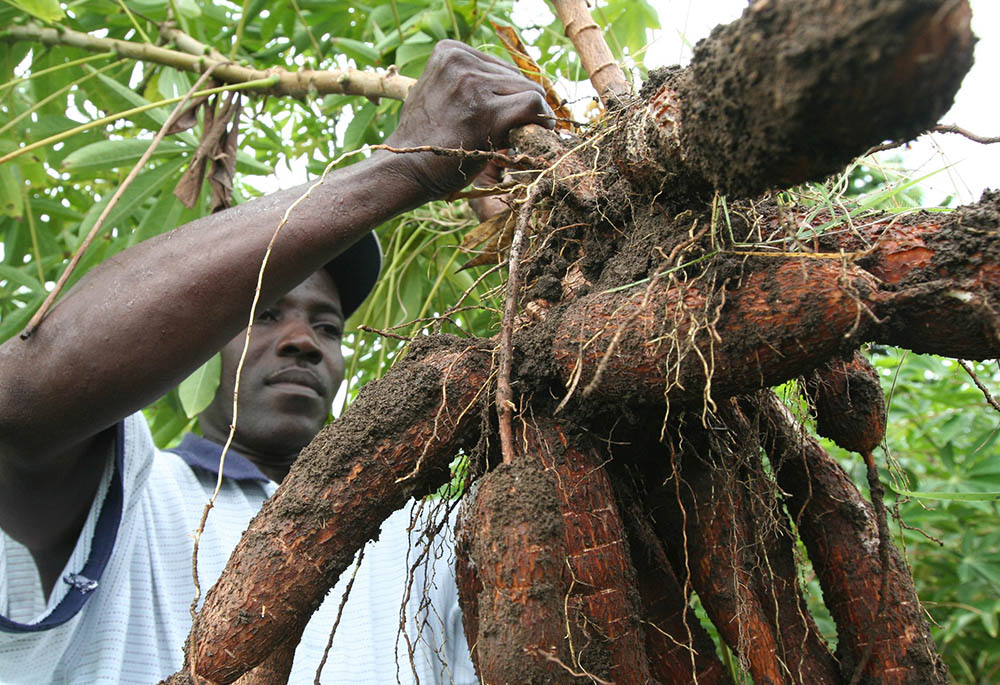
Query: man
x,y
96,527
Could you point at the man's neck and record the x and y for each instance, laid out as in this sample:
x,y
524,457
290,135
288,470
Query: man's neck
x,y
274,467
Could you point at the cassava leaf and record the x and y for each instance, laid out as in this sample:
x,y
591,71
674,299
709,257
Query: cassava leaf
x,y
197,390
111,154
46,10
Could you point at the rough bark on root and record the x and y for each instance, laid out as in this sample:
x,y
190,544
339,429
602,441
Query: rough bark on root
x,y
397,440
840,532
791,92
575,572
928,283
679,648
850,408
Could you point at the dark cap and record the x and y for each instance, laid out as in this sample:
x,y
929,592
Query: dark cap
x,y
355,271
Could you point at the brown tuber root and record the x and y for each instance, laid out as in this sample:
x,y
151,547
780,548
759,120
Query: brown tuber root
x,y
841,533
544,565
725,531
850,407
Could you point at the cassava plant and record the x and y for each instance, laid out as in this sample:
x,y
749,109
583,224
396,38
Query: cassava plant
x,y
624,455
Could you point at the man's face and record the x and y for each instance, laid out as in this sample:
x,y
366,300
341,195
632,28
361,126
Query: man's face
x,y
293,368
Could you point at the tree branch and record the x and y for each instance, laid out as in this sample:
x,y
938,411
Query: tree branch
x,y
297,84
605,73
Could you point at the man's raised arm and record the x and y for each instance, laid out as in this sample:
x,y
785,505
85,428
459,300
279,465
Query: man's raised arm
x,y
144,319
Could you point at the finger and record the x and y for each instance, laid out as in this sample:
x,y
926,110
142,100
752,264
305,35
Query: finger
x,y
491,175
520,109
449,45
490,73
513,86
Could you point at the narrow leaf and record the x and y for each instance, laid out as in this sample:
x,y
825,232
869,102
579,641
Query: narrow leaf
x,y
951,496
11,200
111,154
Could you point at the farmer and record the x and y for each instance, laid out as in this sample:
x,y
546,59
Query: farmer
x,y
95,553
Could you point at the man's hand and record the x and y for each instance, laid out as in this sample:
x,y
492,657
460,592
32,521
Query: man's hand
x,y
464,100
489,206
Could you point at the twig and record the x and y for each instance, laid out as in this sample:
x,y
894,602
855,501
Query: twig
x,y
548,656
518,162
69,133
505,405
951,128
61,283
190,45
340,612
940,128
384,334
239,372
979,384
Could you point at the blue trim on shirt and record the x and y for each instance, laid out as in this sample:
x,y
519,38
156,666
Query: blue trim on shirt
x,y
87,579
204,454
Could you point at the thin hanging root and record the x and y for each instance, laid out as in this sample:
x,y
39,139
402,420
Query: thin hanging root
x,y
504,396
735,548
884,549
679,648
265,593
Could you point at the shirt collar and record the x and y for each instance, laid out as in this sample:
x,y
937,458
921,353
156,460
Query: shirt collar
x,y
198,452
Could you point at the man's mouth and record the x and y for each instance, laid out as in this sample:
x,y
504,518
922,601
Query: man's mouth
x,y
299,377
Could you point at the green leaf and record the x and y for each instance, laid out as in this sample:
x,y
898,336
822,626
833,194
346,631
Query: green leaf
x,y
46,10
197,390
23,280
11,200
116,97
189,9
951,496
146,184
16,320
166,419
248,164
988,571
362,53
354,136
417,47
172,83
164,216
112,154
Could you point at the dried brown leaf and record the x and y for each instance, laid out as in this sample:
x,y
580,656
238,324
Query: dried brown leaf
x,y
515,48
489,240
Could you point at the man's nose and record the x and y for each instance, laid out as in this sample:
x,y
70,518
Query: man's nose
x,y
298,339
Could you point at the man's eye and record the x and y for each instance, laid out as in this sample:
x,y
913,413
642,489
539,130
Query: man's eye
x,y
268,315
330,330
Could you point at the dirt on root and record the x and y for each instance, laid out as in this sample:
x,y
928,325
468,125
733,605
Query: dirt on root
x,y
760,92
